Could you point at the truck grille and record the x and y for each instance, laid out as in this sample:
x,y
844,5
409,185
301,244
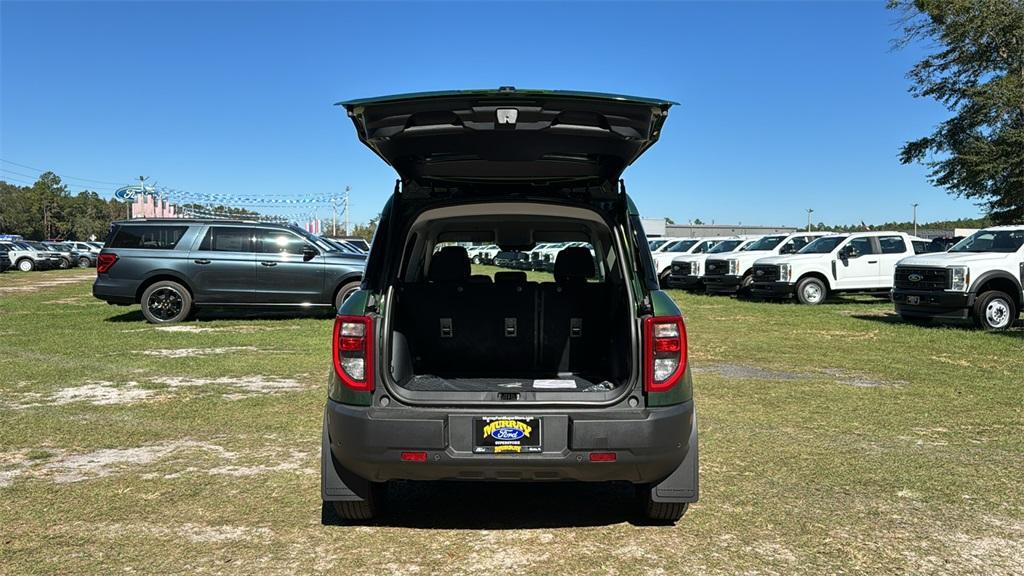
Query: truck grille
x,y
716,268
922,278
766,273
682,269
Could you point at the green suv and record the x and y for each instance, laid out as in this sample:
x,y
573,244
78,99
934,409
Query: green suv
x,y
442,372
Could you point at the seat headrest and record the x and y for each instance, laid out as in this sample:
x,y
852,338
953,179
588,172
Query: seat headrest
x,y
510,277
450,264
574,264
479,279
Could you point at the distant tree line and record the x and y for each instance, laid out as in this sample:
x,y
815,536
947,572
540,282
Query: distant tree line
x,y
47,210
908,225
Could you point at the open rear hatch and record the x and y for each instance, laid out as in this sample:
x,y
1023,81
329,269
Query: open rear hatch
x,y
509,135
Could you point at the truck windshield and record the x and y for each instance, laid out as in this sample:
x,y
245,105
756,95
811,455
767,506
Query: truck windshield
x,y
1004,241
681,246
766,243
725,246
822,245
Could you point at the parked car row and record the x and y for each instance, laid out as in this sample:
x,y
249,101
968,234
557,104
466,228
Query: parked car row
x,y
540,258
979,278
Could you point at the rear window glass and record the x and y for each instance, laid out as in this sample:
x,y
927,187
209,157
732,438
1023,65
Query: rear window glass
x,y
892,245
148,237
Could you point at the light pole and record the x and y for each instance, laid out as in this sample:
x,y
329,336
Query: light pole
x,y
809,212
915,217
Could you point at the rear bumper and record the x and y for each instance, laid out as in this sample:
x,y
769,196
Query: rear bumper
x,y
114,291
933,304
772,289
649,444
722,284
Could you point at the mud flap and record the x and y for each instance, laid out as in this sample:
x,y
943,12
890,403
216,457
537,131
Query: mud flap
x,y
681,485
336,483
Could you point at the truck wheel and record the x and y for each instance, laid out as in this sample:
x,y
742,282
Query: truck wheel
x,y
26,265
65,263
166,302
745,285
477,260
994,310
345,291
811,291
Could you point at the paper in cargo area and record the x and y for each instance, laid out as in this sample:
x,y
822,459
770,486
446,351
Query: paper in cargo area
x,y
554,384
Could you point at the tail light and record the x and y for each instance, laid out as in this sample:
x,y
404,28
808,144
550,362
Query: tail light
x,y
104,262
353,351
665,343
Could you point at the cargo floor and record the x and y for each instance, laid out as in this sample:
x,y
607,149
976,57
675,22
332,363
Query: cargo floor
x,y
564,383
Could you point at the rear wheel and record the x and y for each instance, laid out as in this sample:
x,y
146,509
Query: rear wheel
x,y
994,310
344,292
811,291
166,302
26,265
661,511
361,510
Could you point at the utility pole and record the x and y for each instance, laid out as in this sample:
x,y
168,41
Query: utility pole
x,y
915,217
809,212
344,200
334,208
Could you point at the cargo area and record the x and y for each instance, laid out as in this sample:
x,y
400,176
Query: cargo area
x,y
455,331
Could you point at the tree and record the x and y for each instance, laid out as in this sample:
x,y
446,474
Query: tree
x,y
698,222
366,231
977,72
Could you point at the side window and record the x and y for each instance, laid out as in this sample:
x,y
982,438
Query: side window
x,y
863,245
226,239
892,245
702,248
148,237
280,242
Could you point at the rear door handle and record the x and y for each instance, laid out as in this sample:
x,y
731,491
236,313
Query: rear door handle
x,y
202,261
872,261
268,263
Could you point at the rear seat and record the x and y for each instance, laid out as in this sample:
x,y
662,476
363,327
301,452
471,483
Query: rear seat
x,y
574,315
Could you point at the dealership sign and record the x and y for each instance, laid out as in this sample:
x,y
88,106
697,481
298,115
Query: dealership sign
x,y
130,193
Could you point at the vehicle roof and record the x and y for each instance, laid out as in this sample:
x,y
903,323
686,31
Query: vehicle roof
x,y
201,221
1010,227
505,90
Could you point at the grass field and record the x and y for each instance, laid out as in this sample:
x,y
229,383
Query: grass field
x,y
834,439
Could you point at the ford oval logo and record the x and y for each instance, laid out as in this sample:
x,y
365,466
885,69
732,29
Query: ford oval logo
x,y
759,272
507,434
712,267
915,277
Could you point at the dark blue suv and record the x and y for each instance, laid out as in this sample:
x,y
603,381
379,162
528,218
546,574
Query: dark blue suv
x,y
174,266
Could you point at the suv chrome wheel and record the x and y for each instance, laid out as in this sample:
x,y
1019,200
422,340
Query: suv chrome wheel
x,y
26,265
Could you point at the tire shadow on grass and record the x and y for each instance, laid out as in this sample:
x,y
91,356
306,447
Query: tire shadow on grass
x,y
215,314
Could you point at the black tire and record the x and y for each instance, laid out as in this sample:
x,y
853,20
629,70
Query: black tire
x,y
344,292
745,285
84,263
166,302
362,510
661,512
994,311
65,263
663,279
477,260
26,265
811,291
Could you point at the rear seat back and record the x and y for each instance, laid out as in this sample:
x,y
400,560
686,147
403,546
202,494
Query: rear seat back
x,y
574,314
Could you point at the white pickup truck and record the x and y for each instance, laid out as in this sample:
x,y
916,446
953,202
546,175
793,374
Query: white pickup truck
x,y
858,262
733,273
664,256
981,278
687,271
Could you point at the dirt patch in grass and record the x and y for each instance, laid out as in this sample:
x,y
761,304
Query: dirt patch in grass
x,y
92,392
63,466
37,284
193,329
196,533
194,352
247,386
744,372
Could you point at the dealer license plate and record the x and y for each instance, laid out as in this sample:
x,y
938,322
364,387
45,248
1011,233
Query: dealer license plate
x,y
913,299
506,435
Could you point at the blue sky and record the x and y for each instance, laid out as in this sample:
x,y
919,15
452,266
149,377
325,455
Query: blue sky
x,y
784,106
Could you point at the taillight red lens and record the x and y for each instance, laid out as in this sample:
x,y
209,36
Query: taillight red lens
x,y
104,262
665,352
414,456
352,350
602,457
